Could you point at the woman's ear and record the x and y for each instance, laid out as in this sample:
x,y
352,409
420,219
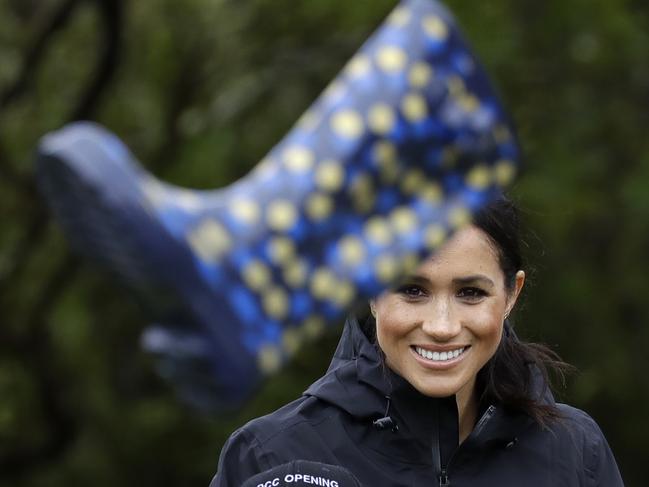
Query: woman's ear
x,y
513,297
372,308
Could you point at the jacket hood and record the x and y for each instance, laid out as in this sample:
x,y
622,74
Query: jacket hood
x,y
357,380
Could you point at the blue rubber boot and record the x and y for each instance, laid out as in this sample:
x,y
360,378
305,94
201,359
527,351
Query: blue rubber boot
x,y
402,148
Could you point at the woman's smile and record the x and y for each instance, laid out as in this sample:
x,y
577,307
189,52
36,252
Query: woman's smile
x,y
440,359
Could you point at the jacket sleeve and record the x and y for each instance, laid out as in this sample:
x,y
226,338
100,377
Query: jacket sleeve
x,y
601,467
241,458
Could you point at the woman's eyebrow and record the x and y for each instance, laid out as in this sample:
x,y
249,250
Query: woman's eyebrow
x,y
458,281
474,279
416,279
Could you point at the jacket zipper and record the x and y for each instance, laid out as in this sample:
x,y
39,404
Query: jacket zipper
x,y
483,421
443,478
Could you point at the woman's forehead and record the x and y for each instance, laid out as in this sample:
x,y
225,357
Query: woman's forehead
x,y
469,249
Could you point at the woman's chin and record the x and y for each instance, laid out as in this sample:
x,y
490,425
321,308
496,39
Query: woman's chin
x,y
438,390
442,386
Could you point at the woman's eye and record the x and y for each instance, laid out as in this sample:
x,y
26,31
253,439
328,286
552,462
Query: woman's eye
x,y
472,293
411,291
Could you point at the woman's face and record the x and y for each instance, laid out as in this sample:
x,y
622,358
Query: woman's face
x,y
445,321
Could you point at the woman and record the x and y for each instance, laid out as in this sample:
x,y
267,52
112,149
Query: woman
x,y
435,388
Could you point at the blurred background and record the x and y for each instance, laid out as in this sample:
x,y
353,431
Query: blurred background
x,y
201,90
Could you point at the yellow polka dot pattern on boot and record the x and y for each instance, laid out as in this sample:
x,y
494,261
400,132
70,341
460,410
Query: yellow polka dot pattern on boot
x,y
377,231
347,123
409,263
281,250
281,215
455,85
505,171
400,16
269,359
313,327
319,206
335,91
385,152
352,250
386,268
420,75
343,294
275,302
329,175
459,217
468,102
291,340
358,66
323,283
256,275
210,240
403,220
435,27
414,107
362,194
413,181
308,121
432,193
299,159
391,59
246,211
295,273
434,235
479,177
380,118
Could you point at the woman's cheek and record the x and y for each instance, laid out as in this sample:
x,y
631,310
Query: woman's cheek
x,y
489,319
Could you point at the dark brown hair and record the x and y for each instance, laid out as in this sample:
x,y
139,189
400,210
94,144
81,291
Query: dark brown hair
x,y
517,376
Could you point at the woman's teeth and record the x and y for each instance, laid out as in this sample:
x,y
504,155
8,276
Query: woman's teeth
x,y
438,356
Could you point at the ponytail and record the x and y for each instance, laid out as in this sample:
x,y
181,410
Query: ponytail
x,y
518,377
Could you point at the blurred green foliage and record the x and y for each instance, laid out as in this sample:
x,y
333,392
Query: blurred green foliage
x,y
201,90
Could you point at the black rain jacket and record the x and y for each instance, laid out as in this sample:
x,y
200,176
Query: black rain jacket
x,y
334,422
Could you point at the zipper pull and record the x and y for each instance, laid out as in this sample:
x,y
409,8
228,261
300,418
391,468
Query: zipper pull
x,y
443,478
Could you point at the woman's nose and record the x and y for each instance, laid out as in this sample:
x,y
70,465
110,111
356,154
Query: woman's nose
x,y
440,322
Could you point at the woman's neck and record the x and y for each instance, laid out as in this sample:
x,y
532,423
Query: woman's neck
x,y
467,409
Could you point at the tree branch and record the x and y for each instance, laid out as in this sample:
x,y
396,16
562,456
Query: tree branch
x,y
111,13
63,424
36,52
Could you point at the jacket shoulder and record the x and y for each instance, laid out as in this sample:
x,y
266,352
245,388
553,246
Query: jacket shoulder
x,y
270,440
307,412
241,457
588,440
